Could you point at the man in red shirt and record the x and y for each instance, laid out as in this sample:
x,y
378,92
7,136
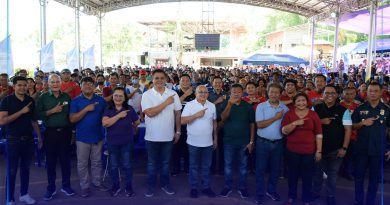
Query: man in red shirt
x,y
315,96
5,88
68,86
252,97
107,91
290,90
351,104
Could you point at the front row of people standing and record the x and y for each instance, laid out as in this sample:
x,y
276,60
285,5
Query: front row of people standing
x,y
315,140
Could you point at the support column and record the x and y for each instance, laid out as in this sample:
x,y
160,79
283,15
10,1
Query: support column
x,y
312,33
43,4
336,38
77,31
100,40
371,38
8,39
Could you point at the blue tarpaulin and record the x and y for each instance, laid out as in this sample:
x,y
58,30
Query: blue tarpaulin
x,y
271,59
382,45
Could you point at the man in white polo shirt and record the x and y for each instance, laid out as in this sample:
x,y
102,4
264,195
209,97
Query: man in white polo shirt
x,y
201,118
162,109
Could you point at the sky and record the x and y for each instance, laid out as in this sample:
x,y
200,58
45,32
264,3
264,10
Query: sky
x,y
24,18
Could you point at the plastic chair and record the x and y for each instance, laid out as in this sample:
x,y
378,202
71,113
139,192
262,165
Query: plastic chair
x,y
140,145
3,143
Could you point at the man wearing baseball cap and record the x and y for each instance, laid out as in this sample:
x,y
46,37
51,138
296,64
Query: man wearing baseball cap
x,y
68,86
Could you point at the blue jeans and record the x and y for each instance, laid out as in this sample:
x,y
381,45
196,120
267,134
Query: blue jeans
x,y
204,154
267,153
330,164
373,163
158,152
300,165
19,149
230,153
121,155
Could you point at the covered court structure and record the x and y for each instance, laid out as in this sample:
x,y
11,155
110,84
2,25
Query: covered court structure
x,y
316,10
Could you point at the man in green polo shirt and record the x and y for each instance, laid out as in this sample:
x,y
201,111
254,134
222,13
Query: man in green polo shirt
x,y
239,133
53,110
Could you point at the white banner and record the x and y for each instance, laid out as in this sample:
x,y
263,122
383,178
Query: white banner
x,y
72,59
89,58
6,66
47,58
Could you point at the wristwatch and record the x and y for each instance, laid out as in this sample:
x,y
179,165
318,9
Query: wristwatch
x,y
251,142
178,133
344,148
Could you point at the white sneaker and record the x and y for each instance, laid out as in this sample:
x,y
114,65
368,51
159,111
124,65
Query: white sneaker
x,y
27,199
324,175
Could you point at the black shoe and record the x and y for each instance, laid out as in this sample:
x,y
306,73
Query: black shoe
x,y
348,177
274,196
115,191
129,192
243,193
314,196
259,199
49,195
68,191
149,192
331,201
168,190
194,193
209,192
175,173
225,192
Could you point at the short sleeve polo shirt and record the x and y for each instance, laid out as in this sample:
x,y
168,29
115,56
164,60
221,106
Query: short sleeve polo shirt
x,y
89,129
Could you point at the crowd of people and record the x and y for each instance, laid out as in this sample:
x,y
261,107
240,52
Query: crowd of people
x,y
275,122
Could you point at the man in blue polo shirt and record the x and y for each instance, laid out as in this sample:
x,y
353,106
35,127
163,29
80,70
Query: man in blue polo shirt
x,y
269,143
86,112
17,117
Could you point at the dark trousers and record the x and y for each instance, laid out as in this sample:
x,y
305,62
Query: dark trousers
x,y
159,156
267,154
20,149
373,163
121,156
300,165
57,146
218,162
330,164
349,160
180,150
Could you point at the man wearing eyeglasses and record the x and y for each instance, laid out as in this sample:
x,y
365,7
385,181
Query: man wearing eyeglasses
x,y
86,111
337,127
200,116
53,109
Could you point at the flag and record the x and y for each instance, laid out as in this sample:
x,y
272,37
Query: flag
x,y
6,60
89,58
47,57
72,59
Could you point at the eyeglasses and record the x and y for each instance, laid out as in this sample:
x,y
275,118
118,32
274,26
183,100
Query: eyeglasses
x,y
156,78
203,92
330,93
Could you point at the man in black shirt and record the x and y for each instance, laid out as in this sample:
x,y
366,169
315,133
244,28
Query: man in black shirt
x,y
17,114
180,149
337,127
